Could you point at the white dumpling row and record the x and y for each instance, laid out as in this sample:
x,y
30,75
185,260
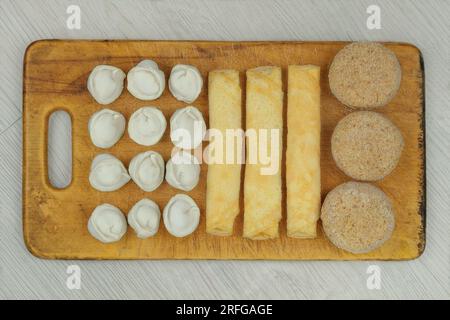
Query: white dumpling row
x,y
145,81
181,217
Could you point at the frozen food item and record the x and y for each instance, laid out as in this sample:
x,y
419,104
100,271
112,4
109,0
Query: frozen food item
x,y
147,126
303,151
181,215
108,173
187,128
365,75
262,190
145,81
185,82
105,83
144,218
107,223
106,127
366,145
147,170
357,217
224,178
183,171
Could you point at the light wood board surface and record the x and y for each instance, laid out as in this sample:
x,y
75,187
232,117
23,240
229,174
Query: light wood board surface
x,y
55,220
419,22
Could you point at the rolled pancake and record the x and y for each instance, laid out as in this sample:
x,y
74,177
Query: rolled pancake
x,y
303,151
262,192
223,180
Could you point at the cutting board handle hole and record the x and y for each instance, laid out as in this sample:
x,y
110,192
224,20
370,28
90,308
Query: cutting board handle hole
x,y
59,149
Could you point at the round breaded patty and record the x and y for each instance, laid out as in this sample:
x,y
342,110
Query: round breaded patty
x,y
357,217
365,75
366,145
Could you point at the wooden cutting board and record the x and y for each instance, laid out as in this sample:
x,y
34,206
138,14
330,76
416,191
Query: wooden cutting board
x,y
55,220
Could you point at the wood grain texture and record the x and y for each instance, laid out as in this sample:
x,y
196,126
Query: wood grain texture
x,y
55,220
416,21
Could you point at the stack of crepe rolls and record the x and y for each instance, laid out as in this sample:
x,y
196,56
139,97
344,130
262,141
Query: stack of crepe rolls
x,y
263,191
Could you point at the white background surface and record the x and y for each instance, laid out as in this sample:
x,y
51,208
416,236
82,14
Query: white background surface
x,y
424,23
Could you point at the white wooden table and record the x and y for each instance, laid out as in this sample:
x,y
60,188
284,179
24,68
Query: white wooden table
x,y
424,23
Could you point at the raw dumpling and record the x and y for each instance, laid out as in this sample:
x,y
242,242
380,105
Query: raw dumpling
x,y
105,83
147,170
144,218
181,215
106,127
107,223
147,126
108,173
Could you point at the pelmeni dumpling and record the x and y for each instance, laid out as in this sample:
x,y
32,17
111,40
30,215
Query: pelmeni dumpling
x,y
107,223
187,128
146,81
105,83
181,215
185,82
183,171
147,170
144,218
106,127
147,125
108,173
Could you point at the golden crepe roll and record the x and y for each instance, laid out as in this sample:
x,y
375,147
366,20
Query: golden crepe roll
x,y
303,151
224,180
262,192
